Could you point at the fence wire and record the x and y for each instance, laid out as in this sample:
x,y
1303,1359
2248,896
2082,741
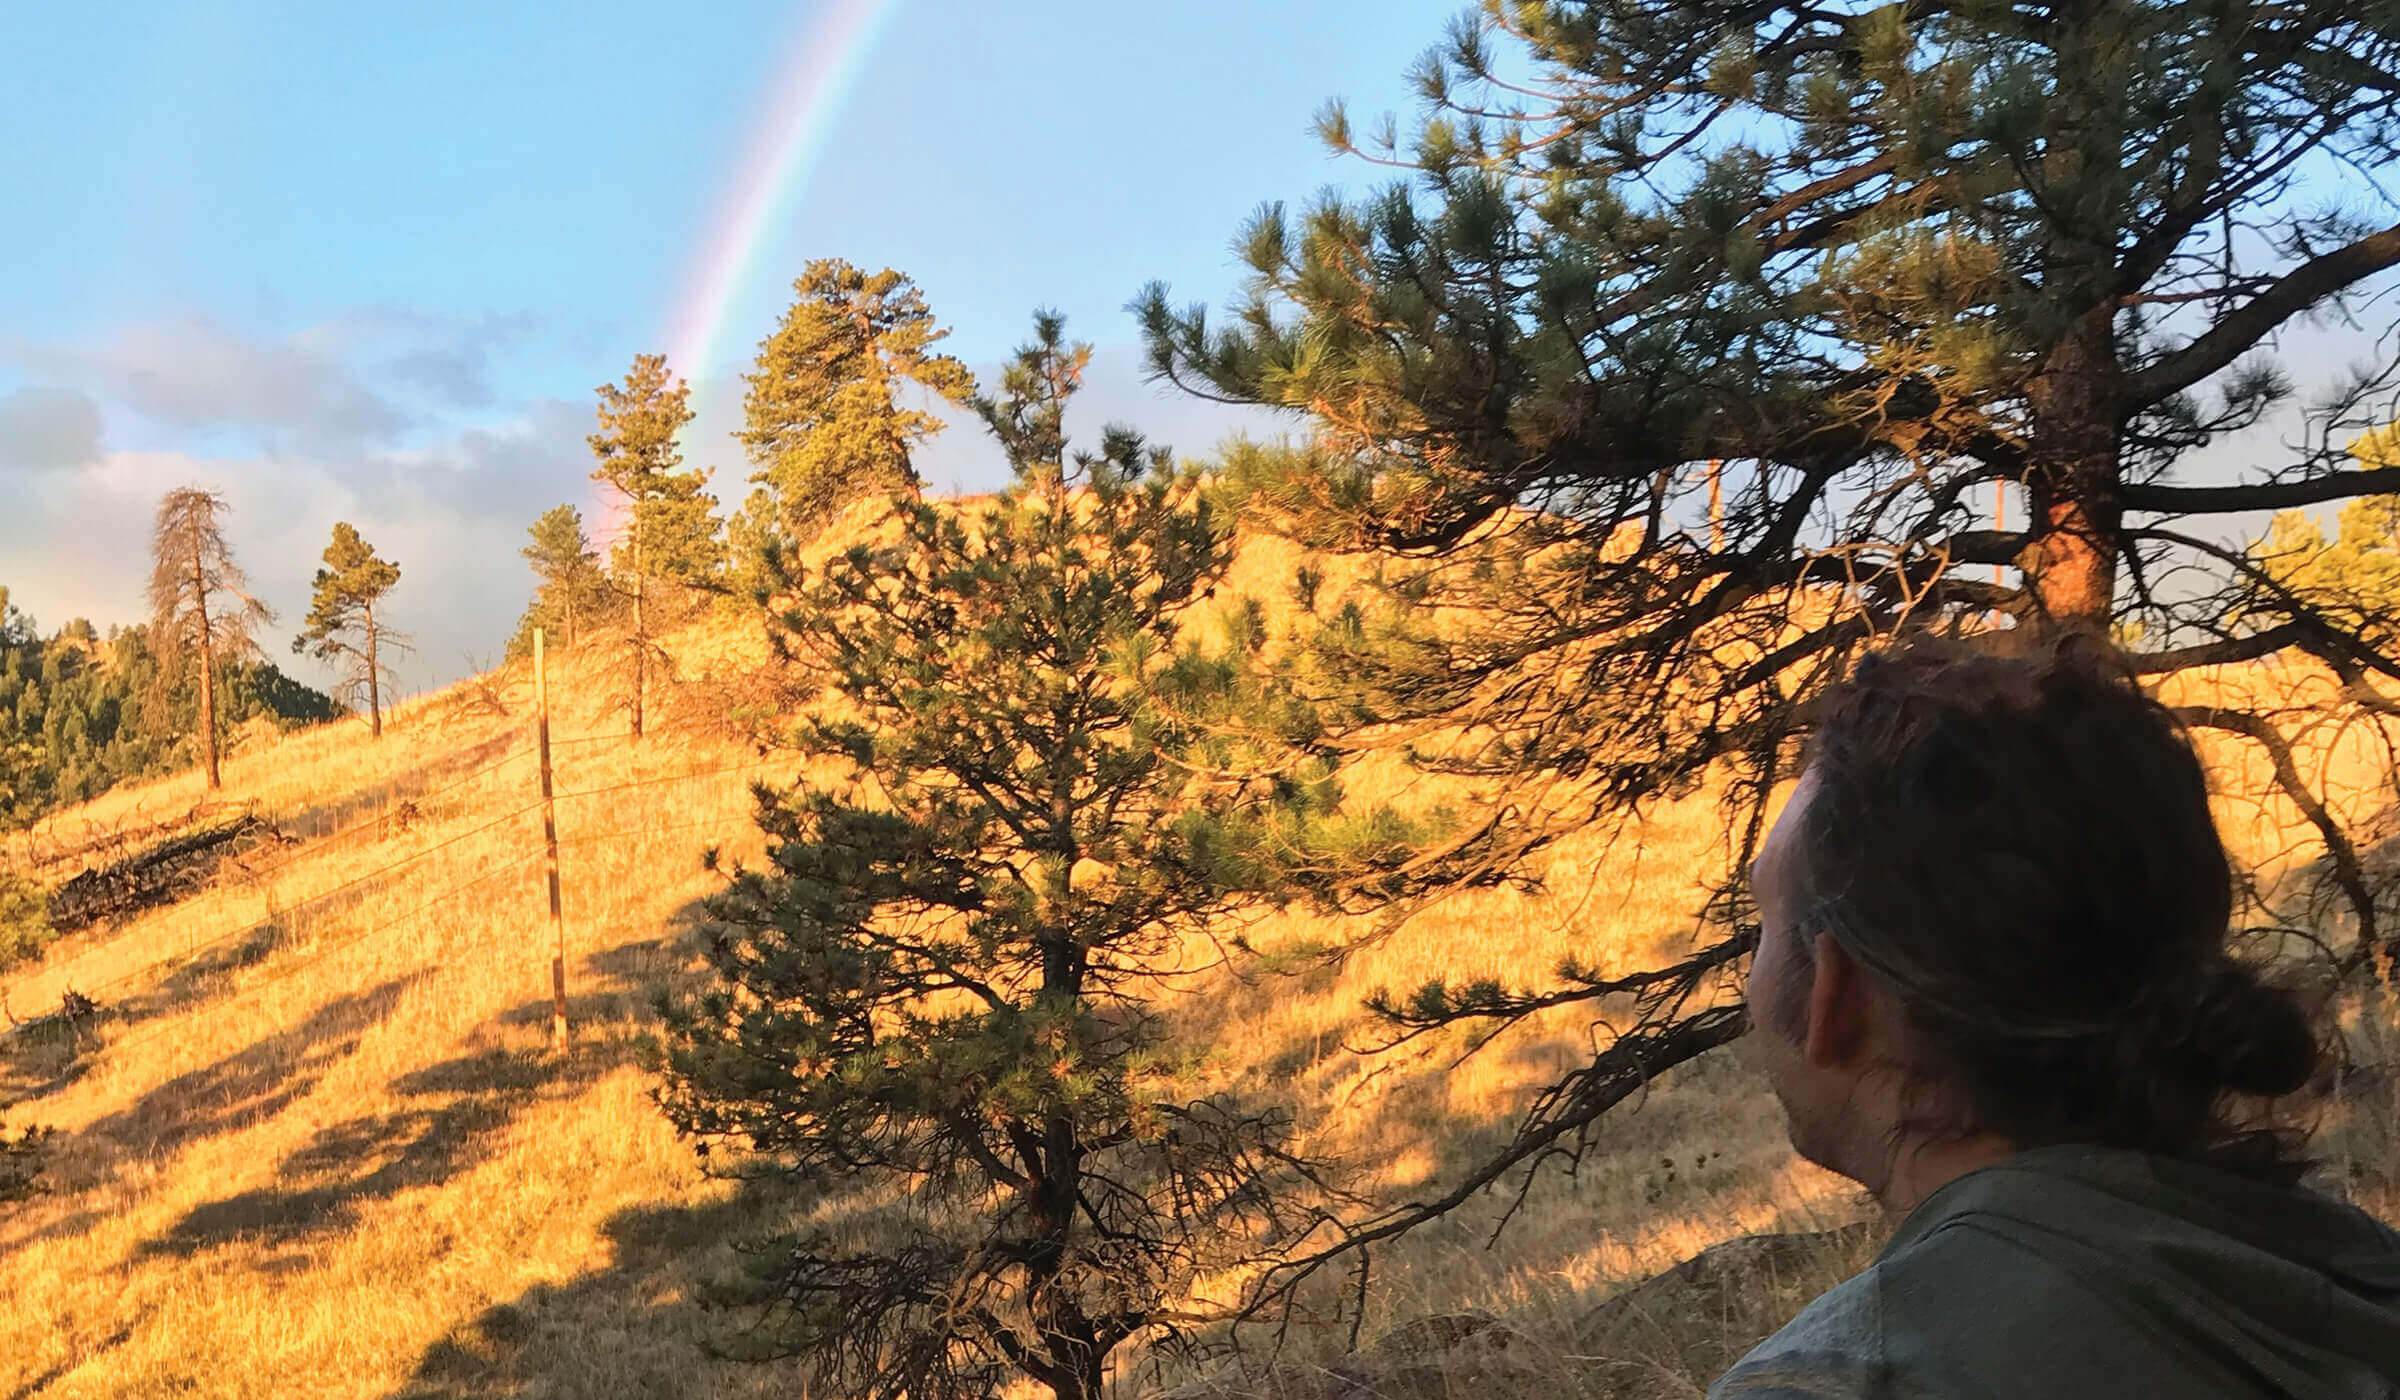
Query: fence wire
x,y
99,994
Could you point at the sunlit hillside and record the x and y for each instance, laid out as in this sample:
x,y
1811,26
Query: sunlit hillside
x,y
315,1141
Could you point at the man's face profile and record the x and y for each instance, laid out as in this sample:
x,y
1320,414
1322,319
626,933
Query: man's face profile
x,y
1779,989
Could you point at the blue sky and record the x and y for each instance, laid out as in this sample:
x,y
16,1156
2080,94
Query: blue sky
x,y
344,265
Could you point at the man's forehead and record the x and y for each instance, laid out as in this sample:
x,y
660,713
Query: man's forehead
x,y
1772,851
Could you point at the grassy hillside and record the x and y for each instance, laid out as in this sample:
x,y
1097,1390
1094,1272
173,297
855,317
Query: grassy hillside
x,y
317,1144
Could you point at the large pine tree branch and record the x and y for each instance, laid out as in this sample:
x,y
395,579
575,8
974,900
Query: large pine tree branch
x,y
2263,495
2349,876
1669,1033
2223,651
2296,291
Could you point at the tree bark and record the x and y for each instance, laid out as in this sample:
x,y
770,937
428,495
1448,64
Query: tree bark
x,y
208,668
374,682
2073,476
641,628
2075,423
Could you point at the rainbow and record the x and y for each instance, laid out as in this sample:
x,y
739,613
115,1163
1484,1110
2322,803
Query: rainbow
x,y
802,106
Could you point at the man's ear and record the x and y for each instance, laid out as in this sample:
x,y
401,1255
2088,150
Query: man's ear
x,y
1836,1033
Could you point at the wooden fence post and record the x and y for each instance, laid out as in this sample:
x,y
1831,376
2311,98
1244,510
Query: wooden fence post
x,y
558,923
2000,522
1716,505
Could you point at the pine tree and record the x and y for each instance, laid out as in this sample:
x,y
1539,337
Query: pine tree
x,y
1880,262
2353,578
943,986
682,541
824,422
24,917
669,526
570,592
342,626
202,615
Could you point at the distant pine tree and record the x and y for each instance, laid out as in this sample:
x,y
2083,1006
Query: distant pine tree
x,y
202,614
24,917
80,712
824,423
2352,578
342,626
670,525
571,592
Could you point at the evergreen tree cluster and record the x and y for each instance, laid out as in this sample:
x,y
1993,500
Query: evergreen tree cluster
x,y
840,395
81,711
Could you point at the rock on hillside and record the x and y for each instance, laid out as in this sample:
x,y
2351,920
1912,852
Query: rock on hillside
x,y
1697,1318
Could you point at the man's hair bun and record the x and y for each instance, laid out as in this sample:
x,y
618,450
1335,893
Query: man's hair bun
x,y
2255,1035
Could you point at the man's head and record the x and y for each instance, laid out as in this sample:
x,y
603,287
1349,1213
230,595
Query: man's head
x,y
1994,911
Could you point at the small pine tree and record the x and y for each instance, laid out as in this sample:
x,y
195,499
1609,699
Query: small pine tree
x,y
945,981
202,614
571,591
24,917
670,527
342,626
823,420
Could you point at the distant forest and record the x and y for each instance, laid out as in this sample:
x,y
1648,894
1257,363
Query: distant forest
x,y
81,711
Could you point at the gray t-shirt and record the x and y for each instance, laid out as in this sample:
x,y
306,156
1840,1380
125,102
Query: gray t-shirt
x,y
2068,1272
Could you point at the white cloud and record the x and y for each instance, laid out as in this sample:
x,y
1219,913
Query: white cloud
x,y
453,515
196,374
387,419
365,381
47,428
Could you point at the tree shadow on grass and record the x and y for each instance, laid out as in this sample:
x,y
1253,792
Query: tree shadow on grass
x,y
40,1060
434,776
448,1125
231,1094
638,1327
250,1084
58,1370
44,1057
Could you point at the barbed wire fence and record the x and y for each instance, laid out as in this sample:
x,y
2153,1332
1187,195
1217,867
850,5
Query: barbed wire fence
x,y
186,974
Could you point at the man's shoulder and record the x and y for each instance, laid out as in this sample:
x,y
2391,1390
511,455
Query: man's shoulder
x,y
1833,1350
2079,1274
1954,1301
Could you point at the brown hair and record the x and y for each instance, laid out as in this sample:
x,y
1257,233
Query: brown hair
x,y
2020,846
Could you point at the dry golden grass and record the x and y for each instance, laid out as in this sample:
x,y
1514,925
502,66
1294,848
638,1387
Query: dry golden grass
x,y
325,1151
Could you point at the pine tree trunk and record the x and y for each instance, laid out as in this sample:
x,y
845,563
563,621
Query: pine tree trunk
x,y
1074,1365
2075,430
374,681
2073,478
208,670
208,710
641,628
1077,1364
